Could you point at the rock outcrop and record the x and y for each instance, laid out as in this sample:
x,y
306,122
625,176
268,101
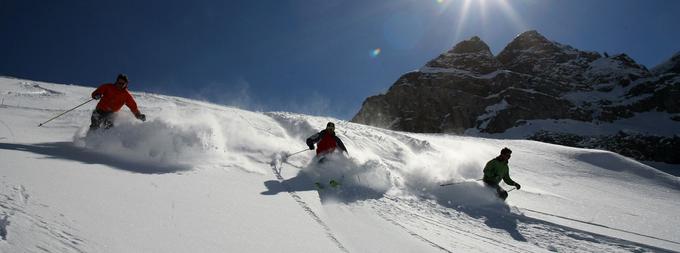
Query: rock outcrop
x,y
534,88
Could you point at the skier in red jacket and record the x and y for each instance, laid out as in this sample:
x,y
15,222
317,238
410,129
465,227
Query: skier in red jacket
x,y
113,97
326,141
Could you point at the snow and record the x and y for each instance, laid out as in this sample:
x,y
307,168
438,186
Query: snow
x,y
615,95
606,74
649,123
491,112
667,65
198,177
607,66
566,48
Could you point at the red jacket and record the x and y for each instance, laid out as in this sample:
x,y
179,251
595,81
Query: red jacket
x,y
327,142
114,98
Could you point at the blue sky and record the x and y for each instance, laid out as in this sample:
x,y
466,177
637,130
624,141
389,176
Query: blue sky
x,y
310,56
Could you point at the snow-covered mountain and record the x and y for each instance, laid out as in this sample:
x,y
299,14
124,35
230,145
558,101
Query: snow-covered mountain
x,y
199,177
670,66
539,89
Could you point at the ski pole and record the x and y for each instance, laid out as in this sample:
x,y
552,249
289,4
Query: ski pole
x,y
453,183
285,159
41,124
512,189
297,152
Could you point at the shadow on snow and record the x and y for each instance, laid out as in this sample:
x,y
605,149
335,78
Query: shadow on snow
x,y
479,201
67,151
303,182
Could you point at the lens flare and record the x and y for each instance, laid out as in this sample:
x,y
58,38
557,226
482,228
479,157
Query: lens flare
x,y
463,18
375,52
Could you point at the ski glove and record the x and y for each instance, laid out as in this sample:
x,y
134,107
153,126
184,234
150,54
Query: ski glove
x,y
141,117
311,147
517,186
97,96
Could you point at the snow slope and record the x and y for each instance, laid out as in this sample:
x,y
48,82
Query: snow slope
x,y
205,178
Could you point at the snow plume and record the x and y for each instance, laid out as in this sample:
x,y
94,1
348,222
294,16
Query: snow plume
x,y
450,160
241,94
416,166
236,93
408,165
370,176
313,104
181,137
172,141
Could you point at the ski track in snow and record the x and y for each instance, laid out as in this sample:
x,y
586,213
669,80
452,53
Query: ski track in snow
x,y
9,130
15,214
468,233
308,210
600,225
411,232
405,214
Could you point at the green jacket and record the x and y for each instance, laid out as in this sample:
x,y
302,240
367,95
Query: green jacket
x,y
495,170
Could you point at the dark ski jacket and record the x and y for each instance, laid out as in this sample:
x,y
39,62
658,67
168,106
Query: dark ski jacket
x,y
327,142
497,170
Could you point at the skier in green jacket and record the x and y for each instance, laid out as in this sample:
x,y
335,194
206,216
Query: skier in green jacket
x,y
496,170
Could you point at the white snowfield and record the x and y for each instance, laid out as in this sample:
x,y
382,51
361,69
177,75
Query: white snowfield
x,y
199,177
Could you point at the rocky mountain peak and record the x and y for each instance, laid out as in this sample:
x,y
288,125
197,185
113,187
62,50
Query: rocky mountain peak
x,y
532,53
529,51
626,60
529,39
672,65
473,45
471,55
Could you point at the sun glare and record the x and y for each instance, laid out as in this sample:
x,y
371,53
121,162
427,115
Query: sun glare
x,y
462,17
511,14
463,9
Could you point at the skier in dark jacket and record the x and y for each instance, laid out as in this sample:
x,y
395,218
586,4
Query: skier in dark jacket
x,y
496,170
326,141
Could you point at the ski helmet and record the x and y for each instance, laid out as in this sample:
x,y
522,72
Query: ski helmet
x,y
122,77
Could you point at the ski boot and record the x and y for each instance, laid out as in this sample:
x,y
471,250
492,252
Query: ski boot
x,y
503,195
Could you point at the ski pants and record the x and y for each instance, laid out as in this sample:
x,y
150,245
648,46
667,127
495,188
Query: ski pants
x,y
101,119
499,190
